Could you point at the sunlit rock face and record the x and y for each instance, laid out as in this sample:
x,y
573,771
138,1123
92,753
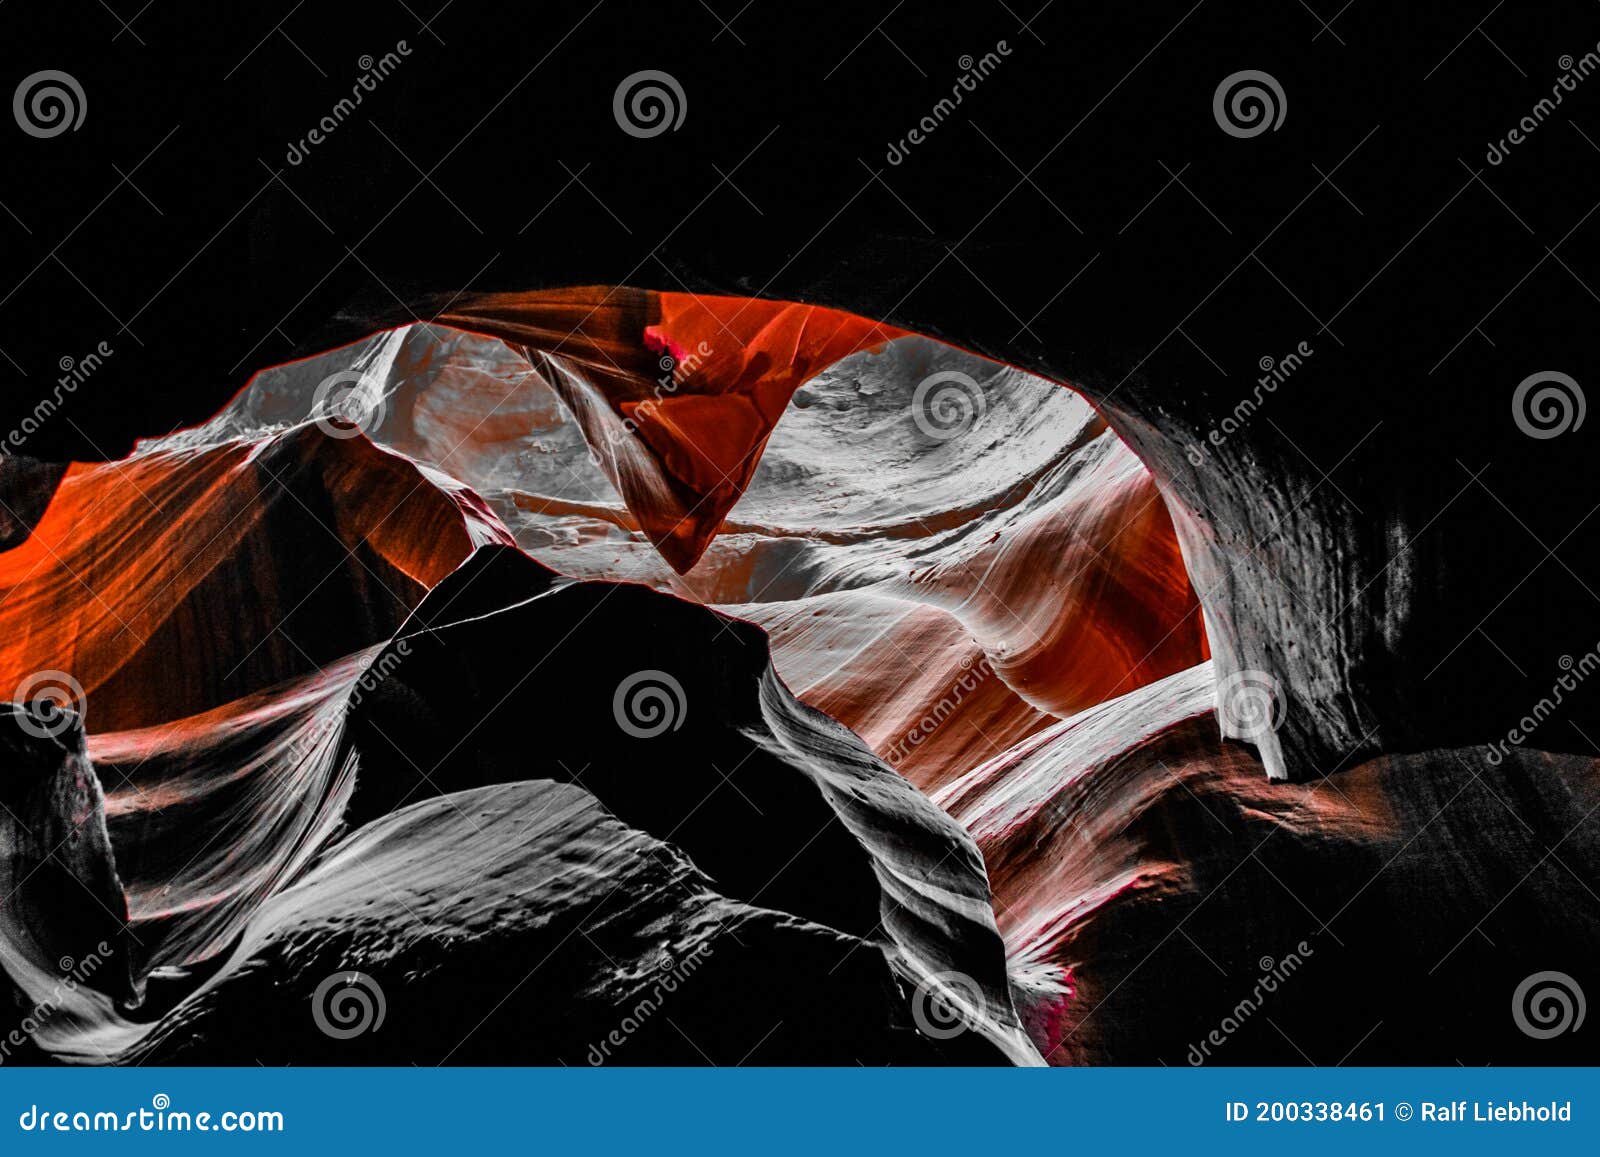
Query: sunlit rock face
x,y
851,683
332,656
948,553
254,559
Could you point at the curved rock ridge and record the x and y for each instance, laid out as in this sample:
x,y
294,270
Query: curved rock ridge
x,y
824,905
248,832
213,813
677,393
524,922
185,551
1162,902
909,679
681,728
1024,554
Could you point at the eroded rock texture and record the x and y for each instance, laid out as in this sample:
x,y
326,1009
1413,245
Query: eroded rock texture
x,y
1154,888
917,760
746,882
65,947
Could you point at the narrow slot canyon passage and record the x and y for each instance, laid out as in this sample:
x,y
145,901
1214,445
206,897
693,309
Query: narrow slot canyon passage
x,y
754,633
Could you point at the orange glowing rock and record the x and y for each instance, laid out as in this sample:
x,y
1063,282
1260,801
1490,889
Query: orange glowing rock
x,y
676,392
175,581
